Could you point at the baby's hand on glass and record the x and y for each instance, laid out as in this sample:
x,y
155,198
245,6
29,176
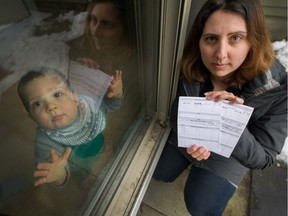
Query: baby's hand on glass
x,y
223,95
53,172
198,152
89,62
116,87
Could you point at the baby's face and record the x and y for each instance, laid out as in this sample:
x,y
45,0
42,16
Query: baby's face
x,y
51,104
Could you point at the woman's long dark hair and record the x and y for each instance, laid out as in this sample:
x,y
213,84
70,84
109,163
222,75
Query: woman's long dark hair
x,y
261,54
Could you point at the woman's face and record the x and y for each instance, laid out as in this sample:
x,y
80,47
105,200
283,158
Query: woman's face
x,y
105,27
224,44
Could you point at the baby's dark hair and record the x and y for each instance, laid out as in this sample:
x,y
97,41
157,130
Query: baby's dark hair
x,y
36,73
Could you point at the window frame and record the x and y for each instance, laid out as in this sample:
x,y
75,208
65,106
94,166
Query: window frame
x,y
131,189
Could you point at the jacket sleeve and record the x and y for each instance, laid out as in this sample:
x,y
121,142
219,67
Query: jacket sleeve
x,y
111,104
265,136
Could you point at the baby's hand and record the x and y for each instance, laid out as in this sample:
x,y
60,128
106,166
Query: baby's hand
x,y
53,172
116,88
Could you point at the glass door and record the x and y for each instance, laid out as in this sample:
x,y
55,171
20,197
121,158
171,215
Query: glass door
x,y
110,171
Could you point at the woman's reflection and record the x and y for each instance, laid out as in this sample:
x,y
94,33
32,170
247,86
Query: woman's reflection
x,y
108,43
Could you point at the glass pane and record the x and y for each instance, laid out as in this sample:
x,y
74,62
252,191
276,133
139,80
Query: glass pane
x,y
86,42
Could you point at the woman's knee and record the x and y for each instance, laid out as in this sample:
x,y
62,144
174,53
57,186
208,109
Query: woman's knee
x,y
206,193
163,176
170,165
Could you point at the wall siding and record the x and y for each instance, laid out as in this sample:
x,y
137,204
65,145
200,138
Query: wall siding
x,y
277,8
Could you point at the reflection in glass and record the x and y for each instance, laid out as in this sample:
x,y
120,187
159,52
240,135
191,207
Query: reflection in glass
x,y
108,43
65,122
101,38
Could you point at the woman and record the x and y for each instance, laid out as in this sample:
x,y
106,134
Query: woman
x,y
228,56
108,43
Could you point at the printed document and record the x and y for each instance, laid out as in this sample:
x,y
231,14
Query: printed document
x,y
88,81
215,125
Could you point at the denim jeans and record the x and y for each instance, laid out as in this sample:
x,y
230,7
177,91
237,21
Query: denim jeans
x,y
205,193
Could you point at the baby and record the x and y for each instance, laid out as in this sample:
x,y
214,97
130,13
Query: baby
x,y
66,121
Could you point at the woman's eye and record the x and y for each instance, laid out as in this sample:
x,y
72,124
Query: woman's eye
x,y
106,24
236,38
211,39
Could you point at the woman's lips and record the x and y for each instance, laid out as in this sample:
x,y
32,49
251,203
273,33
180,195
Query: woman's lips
x,y
220,66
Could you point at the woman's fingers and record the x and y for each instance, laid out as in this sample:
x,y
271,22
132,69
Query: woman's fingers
x,y
223,95
89,62
198,152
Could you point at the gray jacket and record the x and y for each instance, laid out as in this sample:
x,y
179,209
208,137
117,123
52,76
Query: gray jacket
x,y
264,135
